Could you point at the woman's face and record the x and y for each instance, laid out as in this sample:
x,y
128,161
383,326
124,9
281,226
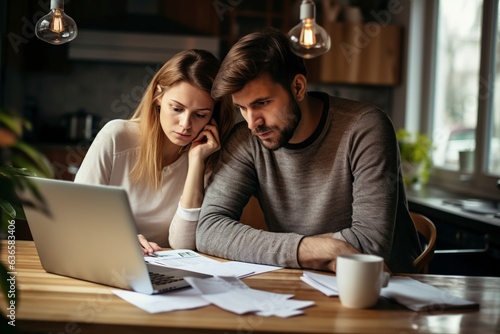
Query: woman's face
x,y
185,110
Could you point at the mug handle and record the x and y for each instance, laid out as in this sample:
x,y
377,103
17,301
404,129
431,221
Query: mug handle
x,y
385,278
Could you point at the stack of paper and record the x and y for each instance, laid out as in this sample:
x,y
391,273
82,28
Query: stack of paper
x,y
419,296
324,283
231,294
228,293
224,290
407,291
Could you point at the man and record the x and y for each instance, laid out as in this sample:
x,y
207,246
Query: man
x,y
325,170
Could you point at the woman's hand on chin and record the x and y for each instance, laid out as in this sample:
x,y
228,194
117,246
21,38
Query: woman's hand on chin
x,y
206,143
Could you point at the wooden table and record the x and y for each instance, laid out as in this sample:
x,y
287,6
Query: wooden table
x,y
52,303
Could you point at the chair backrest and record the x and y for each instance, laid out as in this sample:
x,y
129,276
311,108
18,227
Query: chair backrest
x,y
426,228
252,215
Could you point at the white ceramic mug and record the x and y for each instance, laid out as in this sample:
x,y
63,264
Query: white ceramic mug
x,y
360,278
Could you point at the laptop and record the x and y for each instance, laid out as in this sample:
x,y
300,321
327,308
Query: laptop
x,y
88,232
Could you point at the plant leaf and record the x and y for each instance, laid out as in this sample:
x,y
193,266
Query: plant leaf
x,y
36,161
12,122
7,208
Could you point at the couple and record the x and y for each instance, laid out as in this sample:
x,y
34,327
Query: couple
x,y
325,170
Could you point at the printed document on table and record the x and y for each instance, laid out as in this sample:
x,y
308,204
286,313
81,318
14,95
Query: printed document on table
x,y
325,283
179,258
406,291
231,294
192,261
418,296
184,299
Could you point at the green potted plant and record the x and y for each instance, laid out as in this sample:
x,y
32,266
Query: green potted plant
x,y
416,159
17,161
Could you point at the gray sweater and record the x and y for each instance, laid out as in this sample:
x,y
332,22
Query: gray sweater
x,y
345,178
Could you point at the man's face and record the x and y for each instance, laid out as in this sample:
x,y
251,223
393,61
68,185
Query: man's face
x,y
271,113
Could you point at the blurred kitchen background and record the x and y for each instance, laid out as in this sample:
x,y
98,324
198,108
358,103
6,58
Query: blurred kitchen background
x,y
120,45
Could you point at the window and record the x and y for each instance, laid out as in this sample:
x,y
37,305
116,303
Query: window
x,y
494,115
456,76
465,106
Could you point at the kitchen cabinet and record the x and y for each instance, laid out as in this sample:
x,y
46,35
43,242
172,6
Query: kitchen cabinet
x,y
362,54
228,19
467,243
463,251
199,15
239,18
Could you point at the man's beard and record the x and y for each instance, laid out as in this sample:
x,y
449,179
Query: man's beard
x,y
292,120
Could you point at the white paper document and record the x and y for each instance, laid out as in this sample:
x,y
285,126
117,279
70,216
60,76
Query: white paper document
x,y
179,258
250,268
190,260
175,300
231,294
419,296
406,291
324,283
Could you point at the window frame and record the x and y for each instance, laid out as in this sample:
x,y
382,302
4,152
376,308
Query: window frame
x,y
479,183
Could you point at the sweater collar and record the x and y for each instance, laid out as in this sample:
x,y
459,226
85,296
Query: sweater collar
x,y
326,106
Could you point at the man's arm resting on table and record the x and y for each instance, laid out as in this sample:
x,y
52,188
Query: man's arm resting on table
x,y
321,251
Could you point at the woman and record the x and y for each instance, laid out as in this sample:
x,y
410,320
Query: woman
x,y
163,155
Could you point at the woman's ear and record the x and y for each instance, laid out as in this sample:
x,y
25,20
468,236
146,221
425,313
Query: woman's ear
x,y
158,93
299,87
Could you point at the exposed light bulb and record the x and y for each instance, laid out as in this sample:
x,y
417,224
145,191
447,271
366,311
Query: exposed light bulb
x,y
307,35
57,24
56,27
308,39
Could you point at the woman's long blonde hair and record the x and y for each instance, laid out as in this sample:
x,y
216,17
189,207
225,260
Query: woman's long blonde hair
x,y
196,67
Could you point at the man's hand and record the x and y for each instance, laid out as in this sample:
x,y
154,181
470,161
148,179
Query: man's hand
x,y
321,251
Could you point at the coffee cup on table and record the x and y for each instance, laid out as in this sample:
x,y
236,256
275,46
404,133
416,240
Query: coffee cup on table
x,y
360,277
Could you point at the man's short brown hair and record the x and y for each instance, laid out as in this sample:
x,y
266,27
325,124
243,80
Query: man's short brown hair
x,y
253,55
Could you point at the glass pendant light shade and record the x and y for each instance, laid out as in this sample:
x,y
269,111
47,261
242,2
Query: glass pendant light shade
x,y
307,38
56,27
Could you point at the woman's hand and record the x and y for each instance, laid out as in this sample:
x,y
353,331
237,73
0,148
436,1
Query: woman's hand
x,y
148,248
206,143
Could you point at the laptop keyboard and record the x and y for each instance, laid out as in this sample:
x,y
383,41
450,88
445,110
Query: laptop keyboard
x,y
160,279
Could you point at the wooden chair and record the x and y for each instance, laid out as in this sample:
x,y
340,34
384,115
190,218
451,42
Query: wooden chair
x,y
252,215
427,233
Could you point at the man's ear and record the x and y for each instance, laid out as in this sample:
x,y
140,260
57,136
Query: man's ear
x,y
299,86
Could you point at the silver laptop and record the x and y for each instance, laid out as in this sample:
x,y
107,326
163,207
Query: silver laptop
x,y
88,232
